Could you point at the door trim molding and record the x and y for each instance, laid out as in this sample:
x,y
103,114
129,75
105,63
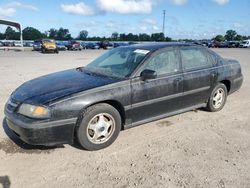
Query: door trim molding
x,y
151,101
165,115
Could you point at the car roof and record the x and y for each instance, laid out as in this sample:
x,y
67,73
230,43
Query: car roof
x,y
158,45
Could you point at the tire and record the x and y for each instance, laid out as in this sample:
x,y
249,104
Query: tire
x,y
217,103
99,126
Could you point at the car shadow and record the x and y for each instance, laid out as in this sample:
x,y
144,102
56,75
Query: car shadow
x,y
204,109
16,145
76,145
5,181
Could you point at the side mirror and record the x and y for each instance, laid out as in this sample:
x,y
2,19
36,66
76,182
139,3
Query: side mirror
x,y
148,74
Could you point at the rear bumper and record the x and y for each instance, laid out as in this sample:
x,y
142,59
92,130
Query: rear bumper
x,y
36,132
236,84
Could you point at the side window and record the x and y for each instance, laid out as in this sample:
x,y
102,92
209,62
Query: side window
x,y
212,58
194,59
164,62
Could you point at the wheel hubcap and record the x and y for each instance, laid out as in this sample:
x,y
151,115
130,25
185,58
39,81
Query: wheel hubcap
x,y
100,128
218,98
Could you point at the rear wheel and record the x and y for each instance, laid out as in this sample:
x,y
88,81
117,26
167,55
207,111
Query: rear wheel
x,y
217,98
99,127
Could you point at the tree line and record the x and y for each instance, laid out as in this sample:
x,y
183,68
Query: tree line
x,y
30,33
231,35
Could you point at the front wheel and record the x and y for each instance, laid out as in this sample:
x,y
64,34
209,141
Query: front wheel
x,y
99,127
217,98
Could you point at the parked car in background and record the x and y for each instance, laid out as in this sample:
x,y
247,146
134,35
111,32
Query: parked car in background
x,y
73,45
110,45
214,44
245,44
17,44
229,44
103,44
93,45
61,46
197,42
205,42
106,44
37,46
8,43
1,44
224,44
28,44
83,45
234,44
125,87
118,44
49,45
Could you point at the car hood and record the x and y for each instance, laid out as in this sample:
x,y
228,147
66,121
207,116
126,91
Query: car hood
x,y
49,43
57,85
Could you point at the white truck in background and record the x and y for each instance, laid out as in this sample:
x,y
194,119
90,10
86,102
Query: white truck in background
x,y
245,44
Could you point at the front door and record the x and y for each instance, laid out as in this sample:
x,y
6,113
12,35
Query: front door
x,y
155,97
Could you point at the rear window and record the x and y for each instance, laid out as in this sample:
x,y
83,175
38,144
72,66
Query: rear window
x,y
194,59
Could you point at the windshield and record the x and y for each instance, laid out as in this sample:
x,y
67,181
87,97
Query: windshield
x,y
119,62
48,40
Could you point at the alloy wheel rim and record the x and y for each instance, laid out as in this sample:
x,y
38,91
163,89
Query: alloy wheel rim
x,y
100,128
218,98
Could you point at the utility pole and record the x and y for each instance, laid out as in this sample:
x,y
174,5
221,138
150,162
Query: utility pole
x,y
163,25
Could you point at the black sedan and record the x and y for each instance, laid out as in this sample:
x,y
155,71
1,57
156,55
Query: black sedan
x,y
125,87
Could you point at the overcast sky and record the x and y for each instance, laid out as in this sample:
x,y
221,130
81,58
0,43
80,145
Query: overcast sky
x,y
184,18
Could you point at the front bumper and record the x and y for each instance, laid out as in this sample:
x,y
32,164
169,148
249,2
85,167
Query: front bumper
x,y
50,49
41,132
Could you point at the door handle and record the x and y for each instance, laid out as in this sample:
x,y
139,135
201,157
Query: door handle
x,y
177,80
177,83
213,74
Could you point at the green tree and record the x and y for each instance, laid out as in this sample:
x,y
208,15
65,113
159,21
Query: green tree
x,y
168,39
114,36
244,37
122,37
219,38
230,35
30,33
63,34
144,37
83,35
238,38
157,37
130,37
11,34
52,33
2,36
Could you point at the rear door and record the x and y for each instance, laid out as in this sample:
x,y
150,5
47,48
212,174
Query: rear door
x,y
198,76
155,97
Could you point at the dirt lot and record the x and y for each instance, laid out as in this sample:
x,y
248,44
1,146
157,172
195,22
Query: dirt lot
x,y
195,149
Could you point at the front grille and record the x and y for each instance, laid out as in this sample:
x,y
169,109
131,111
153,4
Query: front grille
x,y
12,105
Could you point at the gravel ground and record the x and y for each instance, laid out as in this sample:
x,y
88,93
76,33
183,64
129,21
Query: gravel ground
x,y
194,149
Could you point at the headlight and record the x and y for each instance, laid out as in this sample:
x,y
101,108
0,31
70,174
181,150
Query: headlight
x,y
34,111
